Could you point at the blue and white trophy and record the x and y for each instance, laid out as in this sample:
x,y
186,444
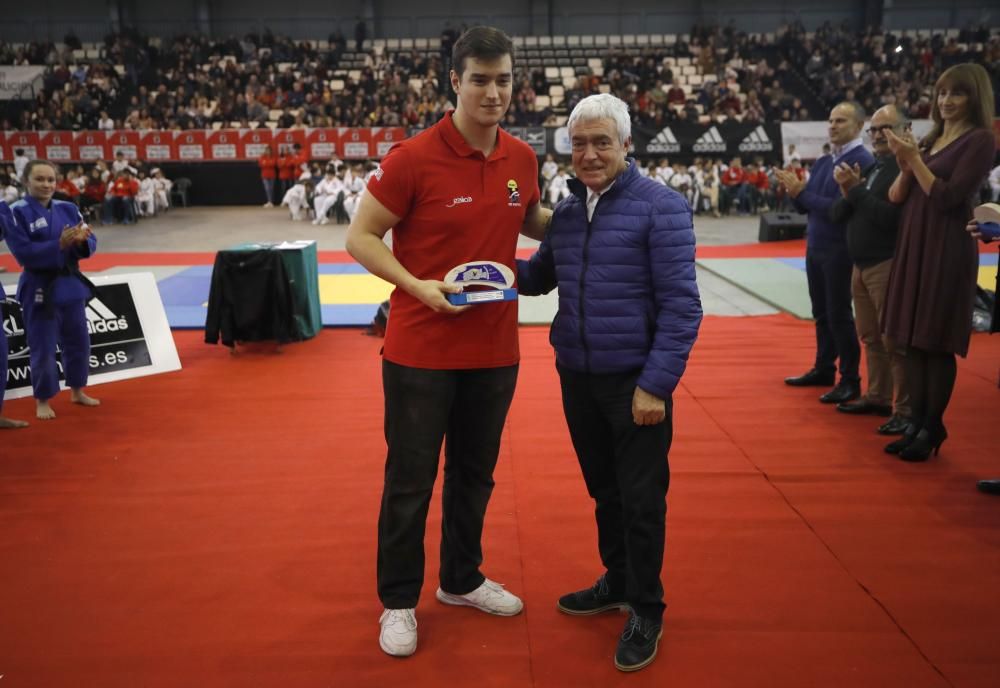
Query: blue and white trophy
x,y
988,217
497,279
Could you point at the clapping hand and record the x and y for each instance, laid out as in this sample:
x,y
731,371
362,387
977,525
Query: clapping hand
x,y
790,181
847,176
77,234
904,147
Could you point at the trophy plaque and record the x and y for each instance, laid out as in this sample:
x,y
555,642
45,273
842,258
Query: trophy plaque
x,y
482,281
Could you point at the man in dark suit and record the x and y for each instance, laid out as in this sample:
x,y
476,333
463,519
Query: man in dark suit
x,y
828,264
872,222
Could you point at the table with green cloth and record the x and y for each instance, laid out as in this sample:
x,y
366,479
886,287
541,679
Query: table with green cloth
x,y
301,272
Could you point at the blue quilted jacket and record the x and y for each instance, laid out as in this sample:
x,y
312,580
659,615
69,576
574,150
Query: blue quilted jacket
x,y
627,293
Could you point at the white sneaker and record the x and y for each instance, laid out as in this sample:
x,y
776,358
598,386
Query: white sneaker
x,y
316,221
325,220
489,597
399,632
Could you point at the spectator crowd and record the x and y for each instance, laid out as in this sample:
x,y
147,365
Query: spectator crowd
x,y
193,82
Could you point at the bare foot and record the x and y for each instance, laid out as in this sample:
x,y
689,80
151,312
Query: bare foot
x,y
43,411
10,423
77,396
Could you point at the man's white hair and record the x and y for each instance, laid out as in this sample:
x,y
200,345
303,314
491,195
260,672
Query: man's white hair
x,y
603,106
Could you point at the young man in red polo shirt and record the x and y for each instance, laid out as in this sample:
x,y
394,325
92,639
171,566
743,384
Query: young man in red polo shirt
x,y
460,191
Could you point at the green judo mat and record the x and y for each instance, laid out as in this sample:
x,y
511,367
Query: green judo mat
x,y
778,282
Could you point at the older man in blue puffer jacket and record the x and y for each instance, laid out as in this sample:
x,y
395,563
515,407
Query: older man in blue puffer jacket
x,y
621,251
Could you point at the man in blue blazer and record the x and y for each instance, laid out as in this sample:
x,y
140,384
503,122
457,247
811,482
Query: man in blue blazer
x,y
828,263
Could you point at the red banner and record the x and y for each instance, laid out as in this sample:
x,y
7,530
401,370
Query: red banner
x,y
322,144
385,138
196,145
356,144
157,146
25,140
284,139
126,141
57,146
90,146
190,146
255,142
224,145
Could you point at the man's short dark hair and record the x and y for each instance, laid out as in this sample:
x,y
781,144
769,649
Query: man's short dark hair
x,y
483,43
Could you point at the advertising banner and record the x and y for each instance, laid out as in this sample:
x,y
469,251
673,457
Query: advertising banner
x,y
728,140
285,139
57,146
322,144
190,145
533,136
385,138
225,145
355,143
126,141
129,335
157,146
20,83
27,141
89,146
255,142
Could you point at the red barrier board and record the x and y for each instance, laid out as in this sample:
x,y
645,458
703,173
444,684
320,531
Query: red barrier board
x,y
284,139
255,142
126,141
57,146
385,138
190,145
90,146
356,144
322,144
26,140
225,145
157,146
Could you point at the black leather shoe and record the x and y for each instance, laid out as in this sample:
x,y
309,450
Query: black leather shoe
x,y
989,486
863,407
894,426
923,444
592,600
813,378
637,646
909,434
843,392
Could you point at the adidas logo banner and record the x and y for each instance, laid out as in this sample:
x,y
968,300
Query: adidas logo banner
x,y
664,142
757,141
710,142
725,140
129,334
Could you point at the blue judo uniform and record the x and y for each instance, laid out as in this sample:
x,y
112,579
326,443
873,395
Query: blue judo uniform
x,y
6,223
52,293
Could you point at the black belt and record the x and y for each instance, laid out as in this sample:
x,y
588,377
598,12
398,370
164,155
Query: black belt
x,y
52,275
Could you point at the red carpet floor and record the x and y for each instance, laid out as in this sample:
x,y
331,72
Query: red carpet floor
x,y
215,527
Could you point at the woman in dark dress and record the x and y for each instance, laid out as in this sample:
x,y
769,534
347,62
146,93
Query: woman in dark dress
x,y
933,281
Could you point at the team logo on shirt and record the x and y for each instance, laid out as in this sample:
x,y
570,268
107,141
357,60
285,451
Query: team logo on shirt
x,y
513,195
378,174
40,223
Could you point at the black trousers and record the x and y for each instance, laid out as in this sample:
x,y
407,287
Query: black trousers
x,y
627,474
467,409
829,274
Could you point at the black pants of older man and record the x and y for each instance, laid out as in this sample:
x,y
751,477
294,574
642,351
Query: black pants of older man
x,y
627,474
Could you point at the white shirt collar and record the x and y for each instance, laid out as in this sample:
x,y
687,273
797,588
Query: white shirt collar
x,y
841,151
594,196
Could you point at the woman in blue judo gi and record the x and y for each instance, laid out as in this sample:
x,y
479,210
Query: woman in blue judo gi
x,y
49,238
6,222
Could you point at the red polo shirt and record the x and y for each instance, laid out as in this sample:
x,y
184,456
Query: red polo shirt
x,y
456,206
